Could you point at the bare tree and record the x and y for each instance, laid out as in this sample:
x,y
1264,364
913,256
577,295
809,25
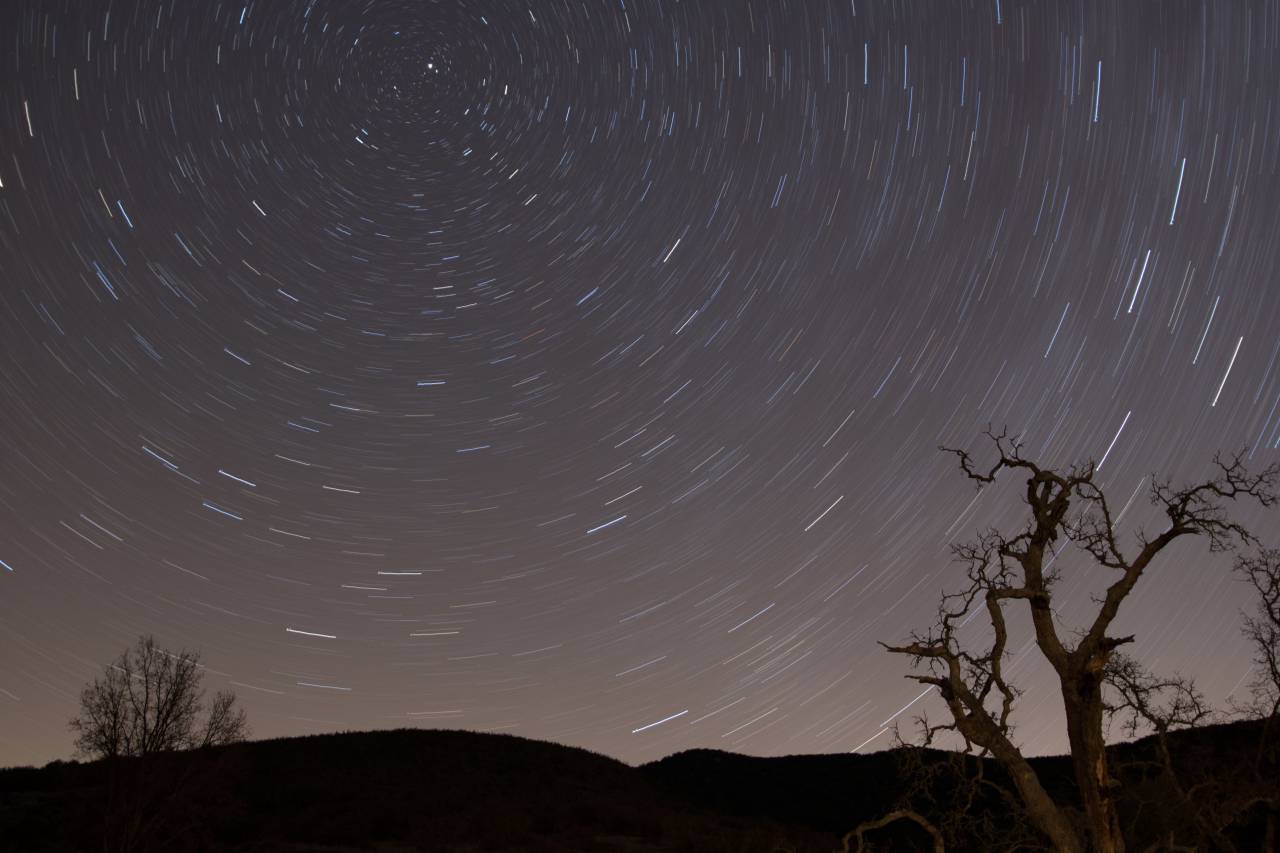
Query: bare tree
x,y
1262,630
1144,703
967,805
892,817
1197,804
149,700
1003,568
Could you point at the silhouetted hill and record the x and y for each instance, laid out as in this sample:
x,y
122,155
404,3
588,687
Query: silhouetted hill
x,y
834,793
453,790
819,791
391,790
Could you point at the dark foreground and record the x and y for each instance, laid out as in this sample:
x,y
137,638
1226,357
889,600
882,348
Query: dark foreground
x,y
460,791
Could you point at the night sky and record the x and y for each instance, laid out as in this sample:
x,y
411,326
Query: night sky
x,y
576,370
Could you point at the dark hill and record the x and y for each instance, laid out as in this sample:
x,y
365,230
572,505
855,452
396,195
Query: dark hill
x,y
451,790
834,793
824,792
392,790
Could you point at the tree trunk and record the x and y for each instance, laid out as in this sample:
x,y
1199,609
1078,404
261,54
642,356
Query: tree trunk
x,y
1041,809
1083,702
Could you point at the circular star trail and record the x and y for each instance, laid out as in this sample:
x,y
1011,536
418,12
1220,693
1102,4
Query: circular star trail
x,y
576,370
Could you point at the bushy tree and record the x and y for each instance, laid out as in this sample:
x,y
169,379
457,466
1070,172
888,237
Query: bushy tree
x,y
150,700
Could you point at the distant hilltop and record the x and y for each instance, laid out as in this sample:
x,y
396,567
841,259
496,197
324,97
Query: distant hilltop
x,y
413,789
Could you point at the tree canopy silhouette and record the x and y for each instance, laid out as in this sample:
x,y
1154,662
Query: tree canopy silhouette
x,y
150,700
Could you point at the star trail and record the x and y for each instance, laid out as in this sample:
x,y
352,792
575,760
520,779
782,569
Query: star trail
x,y
577,369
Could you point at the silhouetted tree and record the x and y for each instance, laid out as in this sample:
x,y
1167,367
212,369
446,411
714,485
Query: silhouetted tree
x,y
149,700
1006,568
966,802
1199,805
1189,809
1262,629
866,826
